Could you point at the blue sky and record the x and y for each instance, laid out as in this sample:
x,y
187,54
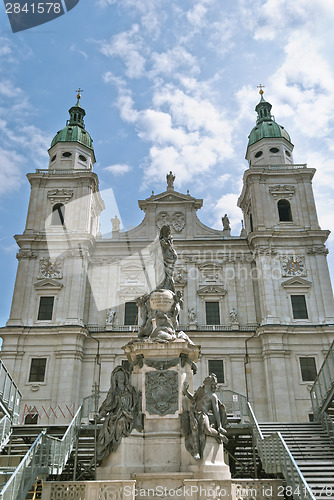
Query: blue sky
x,y
168,85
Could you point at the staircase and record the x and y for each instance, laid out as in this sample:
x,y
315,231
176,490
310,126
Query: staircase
x,y
312,450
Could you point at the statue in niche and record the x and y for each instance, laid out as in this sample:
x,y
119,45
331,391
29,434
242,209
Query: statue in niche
x,y
226,223
116,224
192,316
111,316
234,316
120,411
170,179
206,417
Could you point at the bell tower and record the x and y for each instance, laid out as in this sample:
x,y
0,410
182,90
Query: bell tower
x,y
51,283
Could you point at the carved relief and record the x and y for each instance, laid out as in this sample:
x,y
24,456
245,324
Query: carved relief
x,y
180,277
132,274
317,249
110,492
60,195
178,221
68,492
280,191
161,390
210,272
162,219
26,254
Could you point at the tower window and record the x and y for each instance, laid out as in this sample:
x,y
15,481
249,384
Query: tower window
x,y
82,158
284,211
258,154
131,313
53,158
45,308
67,154
287,153
299,308
308,369
274,150
58,215
216,366
212,313
37,370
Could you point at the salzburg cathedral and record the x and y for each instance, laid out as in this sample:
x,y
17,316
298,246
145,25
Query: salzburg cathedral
x,y
257,306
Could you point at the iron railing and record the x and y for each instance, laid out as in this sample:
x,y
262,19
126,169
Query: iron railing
x,y
10,395
322,391
293,166
327,424
276,458
47,455
235,404
5,431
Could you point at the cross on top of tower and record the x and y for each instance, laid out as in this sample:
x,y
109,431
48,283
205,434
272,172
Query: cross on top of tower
x,y
261,87
79,94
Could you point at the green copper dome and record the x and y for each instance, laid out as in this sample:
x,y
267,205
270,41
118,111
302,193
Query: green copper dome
x,y
75,129
266,127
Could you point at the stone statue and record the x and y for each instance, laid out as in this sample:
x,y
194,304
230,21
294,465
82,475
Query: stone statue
x,y
226,223
192,316
111,315
169,257
120,411
206,417
160,309
116,223
234,316
170,180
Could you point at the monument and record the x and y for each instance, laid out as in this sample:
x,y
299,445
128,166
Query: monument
x,y
156,429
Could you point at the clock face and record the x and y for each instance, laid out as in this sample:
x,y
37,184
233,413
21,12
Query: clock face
x,y
50,269
294,266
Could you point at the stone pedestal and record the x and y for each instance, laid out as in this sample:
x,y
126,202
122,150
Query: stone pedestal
x,y
159,372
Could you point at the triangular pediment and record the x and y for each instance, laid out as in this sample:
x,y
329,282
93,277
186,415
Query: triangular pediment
x,y
211,290
48,284
297,285
296,282
172,197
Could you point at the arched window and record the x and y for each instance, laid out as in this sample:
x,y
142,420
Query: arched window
x,y
284,211
58,215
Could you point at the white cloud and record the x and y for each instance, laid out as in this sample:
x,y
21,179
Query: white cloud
x,y
128,45
8,89
118,168
10,172
173,59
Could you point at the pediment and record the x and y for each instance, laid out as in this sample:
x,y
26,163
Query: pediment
x,y
48,284
170,197
297,284
211,290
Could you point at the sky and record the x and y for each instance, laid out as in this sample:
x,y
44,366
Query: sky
x,y
167,85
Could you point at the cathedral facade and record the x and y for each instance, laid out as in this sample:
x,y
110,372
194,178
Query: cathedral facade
x,y
260,305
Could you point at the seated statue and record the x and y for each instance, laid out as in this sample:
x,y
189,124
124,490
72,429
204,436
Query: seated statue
x,y
120,412
206,417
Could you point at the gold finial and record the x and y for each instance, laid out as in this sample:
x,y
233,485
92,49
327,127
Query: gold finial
x,y
79,94
261,92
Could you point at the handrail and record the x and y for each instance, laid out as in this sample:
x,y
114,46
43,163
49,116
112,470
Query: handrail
x,y
5,431
322,390
327,424
277,459
47,455
27,471
10,395
235,404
